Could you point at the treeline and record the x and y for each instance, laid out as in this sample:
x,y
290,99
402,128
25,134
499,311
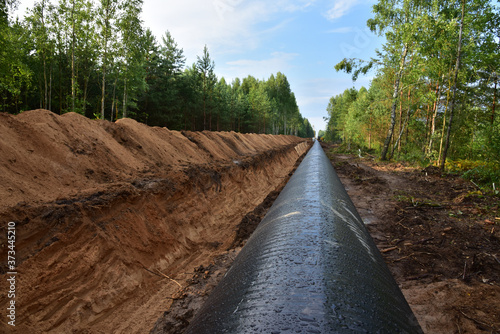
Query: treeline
x,y
96,58
435,91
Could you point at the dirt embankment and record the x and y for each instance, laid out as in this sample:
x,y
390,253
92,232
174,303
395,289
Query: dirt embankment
x,y
439,236
113,218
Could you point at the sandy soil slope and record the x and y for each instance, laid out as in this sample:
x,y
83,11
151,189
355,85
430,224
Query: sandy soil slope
x,y
112,219
439,237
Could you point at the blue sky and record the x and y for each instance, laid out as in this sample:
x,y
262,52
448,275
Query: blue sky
x,y
303,39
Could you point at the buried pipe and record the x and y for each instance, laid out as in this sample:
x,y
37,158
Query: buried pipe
x,y
309,267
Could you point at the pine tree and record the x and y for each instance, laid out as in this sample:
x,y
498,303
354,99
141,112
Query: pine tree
x,y
205,66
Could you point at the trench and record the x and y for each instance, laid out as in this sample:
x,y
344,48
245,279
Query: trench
x,y
309,267
113,261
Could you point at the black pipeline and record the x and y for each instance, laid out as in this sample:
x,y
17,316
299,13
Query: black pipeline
x,y
309,267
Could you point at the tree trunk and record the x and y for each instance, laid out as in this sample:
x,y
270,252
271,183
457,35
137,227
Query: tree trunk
x,y
85,88
45,82
408,114
284,124
394,104
400,117
73,93
124,99
452,104
370,133
264,124
104,61
50,87
239,122
427,128
210,120
114,102
434,116
204,112
60,86
103,92
494,101
44,58
204,101
116,110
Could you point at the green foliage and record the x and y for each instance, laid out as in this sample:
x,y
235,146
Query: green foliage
x,y
492,142
321,135
338,109
355,66
15,73
419,84
480,172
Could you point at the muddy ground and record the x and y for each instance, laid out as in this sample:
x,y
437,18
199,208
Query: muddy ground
x,y
439,235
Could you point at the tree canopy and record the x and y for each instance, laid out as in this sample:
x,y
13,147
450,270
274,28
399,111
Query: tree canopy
x,y
96,58
435,85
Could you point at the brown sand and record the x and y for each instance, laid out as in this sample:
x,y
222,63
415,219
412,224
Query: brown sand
x,y
105,211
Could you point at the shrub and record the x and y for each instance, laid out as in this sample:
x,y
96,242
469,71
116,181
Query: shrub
x,y
480,172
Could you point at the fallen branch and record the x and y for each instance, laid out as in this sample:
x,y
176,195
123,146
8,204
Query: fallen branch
x,y
162,274
388,249
493,256
404,257
428,206
416,278
423,241
399,222
478,187
477,321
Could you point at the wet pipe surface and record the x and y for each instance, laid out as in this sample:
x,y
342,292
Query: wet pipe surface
x,y
310,267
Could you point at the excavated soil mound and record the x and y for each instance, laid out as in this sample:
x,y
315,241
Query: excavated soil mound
x,y
113,220
45,156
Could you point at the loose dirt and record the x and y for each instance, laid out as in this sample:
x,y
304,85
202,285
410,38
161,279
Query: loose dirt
x,y
117,221
439,236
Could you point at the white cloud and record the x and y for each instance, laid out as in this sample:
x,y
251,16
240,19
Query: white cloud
x,y
24,5
260,69
194,23
225,26
313,96
318,123
299,5
343,30
313,100
340,8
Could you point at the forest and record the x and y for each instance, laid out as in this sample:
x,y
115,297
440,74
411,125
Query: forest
x,y
96,58
434,91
